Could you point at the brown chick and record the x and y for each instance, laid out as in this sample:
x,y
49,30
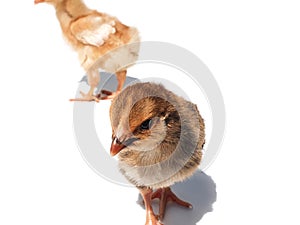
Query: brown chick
x,y
97,37
158,137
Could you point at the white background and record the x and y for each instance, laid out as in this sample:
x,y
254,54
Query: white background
x,y
251,47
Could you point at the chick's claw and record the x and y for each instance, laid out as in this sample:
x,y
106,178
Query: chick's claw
x,y
109,94
86,98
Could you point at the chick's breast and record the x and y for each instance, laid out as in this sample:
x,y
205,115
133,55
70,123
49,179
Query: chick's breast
x,y
166,135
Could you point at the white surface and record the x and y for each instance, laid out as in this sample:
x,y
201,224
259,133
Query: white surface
x,y
253,50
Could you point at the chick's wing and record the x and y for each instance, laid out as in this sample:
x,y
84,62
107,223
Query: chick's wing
x,y
93,29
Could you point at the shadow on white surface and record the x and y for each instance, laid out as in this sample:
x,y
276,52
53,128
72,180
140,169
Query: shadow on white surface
x,y
108,81
199,190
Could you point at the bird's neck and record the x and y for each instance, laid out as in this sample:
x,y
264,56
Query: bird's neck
x,y
71,9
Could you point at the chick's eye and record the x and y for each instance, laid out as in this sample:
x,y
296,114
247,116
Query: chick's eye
x,y
146,124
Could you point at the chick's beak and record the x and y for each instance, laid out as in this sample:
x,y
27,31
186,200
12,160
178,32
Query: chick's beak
x,y
38,1
116,147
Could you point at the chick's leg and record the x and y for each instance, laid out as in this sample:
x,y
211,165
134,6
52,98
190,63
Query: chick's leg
x,y
151,219
165,195
93,80
121,77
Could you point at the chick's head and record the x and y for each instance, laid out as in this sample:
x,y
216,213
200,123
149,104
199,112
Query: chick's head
x,y
142,122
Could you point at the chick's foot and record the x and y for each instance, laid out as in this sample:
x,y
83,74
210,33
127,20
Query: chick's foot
x,y
166,195
109,94
86,98
151,218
